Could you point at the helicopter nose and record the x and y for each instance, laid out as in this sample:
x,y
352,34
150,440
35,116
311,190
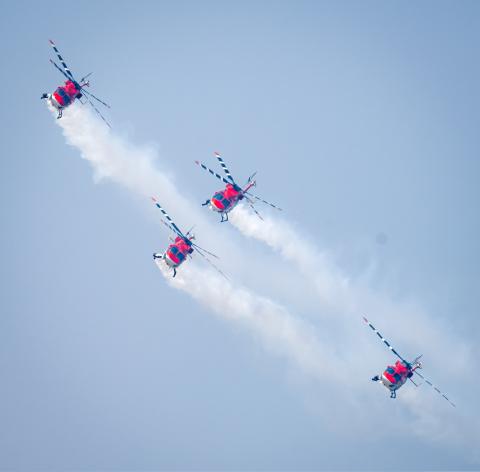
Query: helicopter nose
x,y
216,205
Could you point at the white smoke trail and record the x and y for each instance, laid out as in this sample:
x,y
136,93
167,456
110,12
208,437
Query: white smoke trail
x,y
331,285
332,359
342,300
134,168
278,330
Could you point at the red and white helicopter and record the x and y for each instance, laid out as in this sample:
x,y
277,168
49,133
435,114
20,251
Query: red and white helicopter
x,y
181,247
66,94
394,376
226,200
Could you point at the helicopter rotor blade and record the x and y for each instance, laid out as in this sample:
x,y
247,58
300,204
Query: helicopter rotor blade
x,y
96,98
263,201
416,385
250,203
60,69
169,227
60,58
197,247
256,212
434,387
224,167
384,340
167,216
211,263
218,176
97,111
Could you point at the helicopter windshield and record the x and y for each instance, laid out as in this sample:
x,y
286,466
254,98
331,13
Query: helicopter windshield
x,y
66,99
177,253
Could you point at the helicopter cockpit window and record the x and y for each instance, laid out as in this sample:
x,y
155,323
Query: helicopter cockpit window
x,y
218,196
397,377
390,370
174,250
64,95
181,256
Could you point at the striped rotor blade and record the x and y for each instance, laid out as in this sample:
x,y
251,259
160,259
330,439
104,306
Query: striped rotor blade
x,y
410,378
60,58
254,209
168,226
61,70
218,176
263,201
434,387
224,167
197,247
167,216
98,112
211,263
384,340
96,98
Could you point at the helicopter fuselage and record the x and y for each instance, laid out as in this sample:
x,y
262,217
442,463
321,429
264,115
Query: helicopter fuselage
x,y
65,95
177,252
395,376
225,200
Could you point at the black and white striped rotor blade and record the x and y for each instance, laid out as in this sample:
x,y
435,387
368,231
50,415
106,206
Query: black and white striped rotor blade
x,y
60,69
384,340
167,216
98,112
264,201
211,263
434,387
60,58
96,98
197,247
168,226
224,167
253,208
218,176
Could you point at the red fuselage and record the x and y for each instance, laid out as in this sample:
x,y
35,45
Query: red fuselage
x,y
65,95
225,200
396,375
178,251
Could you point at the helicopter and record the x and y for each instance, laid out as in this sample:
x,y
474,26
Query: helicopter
x,y
226,200
65,95
182,245
394,376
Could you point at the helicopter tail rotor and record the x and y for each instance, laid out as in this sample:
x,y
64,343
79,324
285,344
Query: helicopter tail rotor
x,y
250,179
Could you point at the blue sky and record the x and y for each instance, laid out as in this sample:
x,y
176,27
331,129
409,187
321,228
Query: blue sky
x,y
361,119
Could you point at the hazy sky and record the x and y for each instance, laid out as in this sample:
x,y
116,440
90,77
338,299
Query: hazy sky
x,y
361,119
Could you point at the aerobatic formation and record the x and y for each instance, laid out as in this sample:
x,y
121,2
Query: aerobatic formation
x,y
223,202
